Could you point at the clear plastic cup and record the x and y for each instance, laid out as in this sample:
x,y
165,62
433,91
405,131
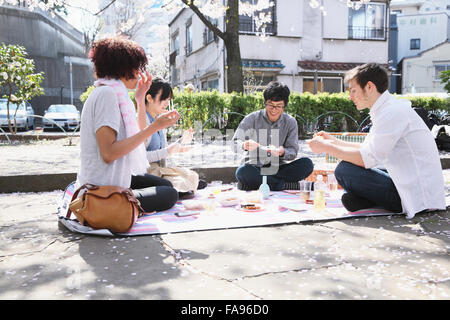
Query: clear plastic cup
x,y
305,189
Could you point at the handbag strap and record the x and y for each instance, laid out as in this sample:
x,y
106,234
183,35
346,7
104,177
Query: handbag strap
x,y
75,195
128,192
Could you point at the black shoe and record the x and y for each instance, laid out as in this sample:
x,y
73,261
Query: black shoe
x,y
242,186
186,195
201,184
353,203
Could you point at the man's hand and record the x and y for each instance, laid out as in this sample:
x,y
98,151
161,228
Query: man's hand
x,y
276,152
325,135
250,145
318,144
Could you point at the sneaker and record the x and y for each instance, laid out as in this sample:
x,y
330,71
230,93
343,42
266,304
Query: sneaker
x,y
353,203
242,186
186,195
291,185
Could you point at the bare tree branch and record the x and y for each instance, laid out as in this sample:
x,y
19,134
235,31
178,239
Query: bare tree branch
x,y
202,17
106,7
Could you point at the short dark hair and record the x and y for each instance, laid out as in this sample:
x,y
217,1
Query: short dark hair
x,y
117,57
369,72
159,84
277,91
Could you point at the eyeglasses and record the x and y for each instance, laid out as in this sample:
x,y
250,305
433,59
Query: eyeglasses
x,y
271,106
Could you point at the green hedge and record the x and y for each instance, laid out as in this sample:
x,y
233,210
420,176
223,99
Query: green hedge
x,y
335,110
311,111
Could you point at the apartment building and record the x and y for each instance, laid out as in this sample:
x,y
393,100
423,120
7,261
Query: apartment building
x,y
307,48
422,47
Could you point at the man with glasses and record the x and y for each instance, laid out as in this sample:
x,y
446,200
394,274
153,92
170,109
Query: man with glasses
x,y
269,139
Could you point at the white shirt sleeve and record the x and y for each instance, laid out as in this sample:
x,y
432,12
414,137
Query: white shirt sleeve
x,y
382,139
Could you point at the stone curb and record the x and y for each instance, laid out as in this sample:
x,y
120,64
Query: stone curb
x,y
59,181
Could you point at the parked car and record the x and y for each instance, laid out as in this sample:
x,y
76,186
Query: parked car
x,y
65,115
24,116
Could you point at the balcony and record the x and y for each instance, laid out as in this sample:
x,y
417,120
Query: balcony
x,y
366,33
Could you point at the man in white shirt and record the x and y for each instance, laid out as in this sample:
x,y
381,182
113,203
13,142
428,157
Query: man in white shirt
x,y
398,140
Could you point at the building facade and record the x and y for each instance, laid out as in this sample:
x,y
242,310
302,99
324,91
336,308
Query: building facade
x,y
422,27
420,73
302,47
52,43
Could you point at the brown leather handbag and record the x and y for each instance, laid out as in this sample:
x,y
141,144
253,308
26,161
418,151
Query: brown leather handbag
x,y
105,207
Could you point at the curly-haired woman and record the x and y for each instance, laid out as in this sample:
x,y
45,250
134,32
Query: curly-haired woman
x,y
112,144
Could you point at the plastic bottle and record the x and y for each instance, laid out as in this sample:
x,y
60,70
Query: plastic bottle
x,y
264,188
319,194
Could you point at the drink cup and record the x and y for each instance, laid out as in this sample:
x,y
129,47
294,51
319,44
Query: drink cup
x,y
332,183
305,189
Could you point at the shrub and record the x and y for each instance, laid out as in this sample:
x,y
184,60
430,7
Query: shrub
x,y
331,111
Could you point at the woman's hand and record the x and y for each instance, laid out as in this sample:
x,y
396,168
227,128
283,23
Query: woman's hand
x,y
143,85
178,148
167,119
187,136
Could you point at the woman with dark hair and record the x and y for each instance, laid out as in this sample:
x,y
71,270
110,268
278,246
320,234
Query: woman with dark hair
x,y
112,143
186,181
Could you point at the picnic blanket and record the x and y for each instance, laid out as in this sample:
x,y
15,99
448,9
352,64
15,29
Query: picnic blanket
x,y
282,207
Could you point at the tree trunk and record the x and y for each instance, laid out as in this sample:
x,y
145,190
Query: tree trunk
x,y
230,37
234,63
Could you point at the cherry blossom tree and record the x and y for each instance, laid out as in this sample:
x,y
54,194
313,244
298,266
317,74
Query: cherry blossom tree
x,y
18,82
131,15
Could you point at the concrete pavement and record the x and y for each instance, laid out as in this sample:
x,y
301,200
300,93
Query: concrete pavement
x,y
358,258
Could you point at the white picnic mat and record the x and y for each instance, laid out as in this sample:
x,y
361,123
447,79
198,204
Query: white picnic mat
x,y
281,207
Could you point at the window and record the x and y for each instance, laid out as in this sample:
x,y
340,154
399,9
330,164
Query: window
x,y
368,22
415,44
252,24
189,38
256,80
324,84
438,69
209,35
176,44
175,77
212,84
397,11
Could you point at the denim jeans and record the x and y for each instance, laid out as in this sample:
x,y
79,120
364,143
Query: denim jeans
x,y
250,176
374,185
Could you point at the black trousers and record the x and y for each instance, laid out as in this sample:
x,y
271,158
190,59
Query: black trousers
x,y
154,193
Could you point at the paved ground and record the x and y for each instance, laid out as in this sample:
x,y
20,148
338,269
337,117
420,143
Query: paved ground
x,y
358,258
365,258
62,156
